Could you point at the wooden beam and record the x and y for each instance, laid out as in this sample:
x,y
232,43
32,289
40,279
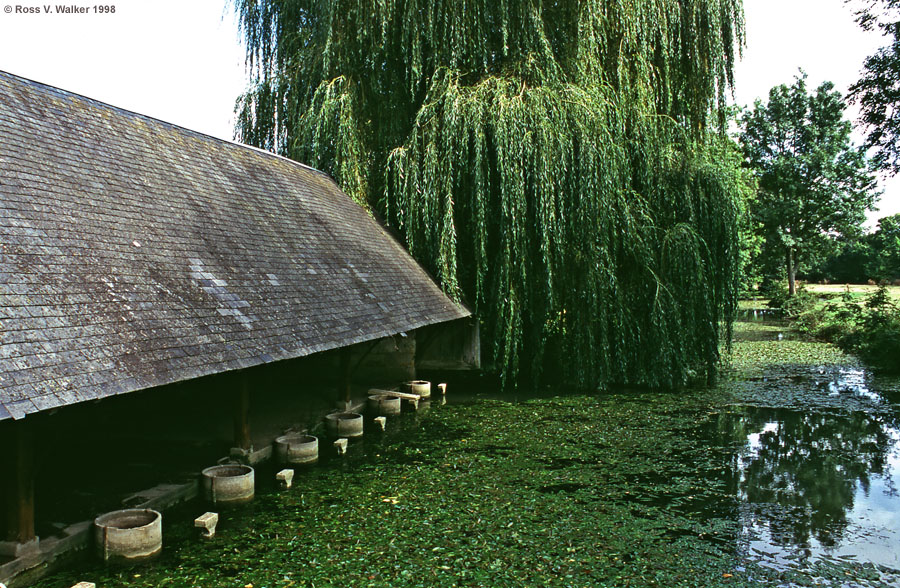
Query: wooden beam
x,y
425,338
394,393
369,349
242,438
344,375
18,507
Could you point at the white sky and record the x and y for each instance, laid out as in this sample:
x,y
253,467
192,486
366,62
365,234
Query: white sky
x,y
181,60
176,60
819,36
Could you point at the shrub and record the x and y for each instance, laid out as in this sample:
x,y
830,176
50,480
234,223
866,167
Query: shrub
x,y
879,337
793,306
870,329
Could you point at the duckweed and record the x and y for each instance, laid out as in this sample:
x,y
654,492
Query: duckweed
x,y
628,488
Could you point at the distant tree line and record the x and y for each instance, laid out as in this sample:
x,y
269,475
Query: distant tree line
x,y
872,258
813,185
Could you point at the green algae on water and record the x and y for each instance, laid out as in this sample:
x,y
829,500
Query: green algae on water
x,y
617,489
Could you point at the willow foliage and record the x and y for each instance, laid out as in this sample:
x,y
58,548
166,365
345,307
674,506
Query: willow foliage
x,y
553,163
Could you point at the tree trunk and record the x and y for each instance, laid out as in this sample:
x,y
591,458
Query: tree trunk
x,y
791,272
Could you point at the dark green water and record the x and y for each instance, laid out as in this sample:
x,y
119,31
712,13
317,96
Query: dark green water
x,y
784,475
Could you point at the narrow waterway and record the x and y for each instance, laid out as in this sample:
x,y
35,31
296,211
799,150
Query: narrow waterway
x,y
783,475
816,461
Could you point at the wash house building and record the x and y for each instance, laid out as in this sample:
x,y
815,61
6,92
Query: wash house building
x,y
138,259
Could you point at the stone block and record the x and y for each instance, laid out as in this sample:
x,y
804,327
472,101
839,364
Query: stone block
x,y
85,585
162,496
381,422
14,550
341,446
285,478
240,455
207,524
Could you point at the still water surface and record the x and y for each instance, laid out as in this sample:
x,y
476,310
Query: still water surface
x,y
815,464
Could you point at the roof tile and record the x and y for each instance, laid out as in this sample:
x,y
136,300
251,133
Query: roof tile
x,y
134,253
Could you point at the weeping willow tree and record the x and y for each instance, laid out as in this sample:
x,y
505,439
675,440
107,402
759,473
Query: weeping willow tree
x,y
559,165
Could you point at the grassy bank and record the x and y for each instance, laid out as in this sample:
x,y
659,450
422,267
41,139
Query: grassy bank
x,y
864,320
858,290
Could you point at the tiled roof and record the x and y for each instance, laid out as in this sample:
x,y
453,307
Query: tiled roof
x,y
134,253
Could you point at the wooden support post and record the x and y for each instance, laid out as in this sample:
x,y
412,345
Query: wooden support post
x,y
344,376
6,468
422,339
242,413
18,507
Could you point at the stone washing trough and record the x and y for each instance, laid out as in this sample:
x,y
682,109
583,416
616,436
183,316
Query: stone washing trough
x,y
344,424
229,484
130,535
384,405
420,387
297,449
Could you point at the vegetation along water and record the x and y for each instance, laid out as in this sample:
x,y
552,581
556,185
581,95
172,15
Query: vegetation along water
x,y
782,475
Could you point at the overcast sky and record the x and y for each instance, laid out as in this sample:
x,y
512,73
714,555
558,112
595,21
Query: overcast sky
x,y
175,60
181,60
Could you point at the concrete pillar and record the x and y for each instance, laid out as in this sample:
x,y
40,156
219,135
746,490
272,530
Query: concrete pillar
x,y
18,536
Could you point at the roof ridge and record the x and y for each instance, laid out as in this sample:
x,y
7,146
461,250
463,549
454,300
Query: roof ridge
x,y
200,134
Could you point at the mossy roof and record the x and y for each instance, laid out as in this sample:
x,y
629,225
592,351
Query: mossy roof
x,y
135,253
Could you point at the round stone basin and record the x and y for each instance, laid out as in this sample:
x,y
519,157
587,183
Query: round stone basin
x,y
384,405
420,387
229,484
297,449
344,424
130,535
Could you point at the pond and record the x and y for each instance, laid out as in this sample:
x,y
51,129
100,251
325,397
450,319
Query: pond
x,y
783,475
817,453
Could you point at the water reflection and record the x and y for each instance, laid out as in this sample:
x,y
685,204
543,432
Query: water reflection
x,y
760,314
816,483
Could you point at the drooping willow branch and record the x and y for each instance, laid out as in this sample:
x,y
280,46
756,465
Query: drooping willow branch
x,y
551,163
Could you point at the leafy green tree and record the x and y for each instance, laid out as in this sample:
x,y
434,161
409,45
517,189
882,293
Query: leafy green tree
x,y
886,242
554,164
878,90
814,185
854,261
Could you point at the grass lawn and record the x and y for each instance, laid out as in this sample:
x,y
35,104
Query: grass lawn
x,y
825,292
856,289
